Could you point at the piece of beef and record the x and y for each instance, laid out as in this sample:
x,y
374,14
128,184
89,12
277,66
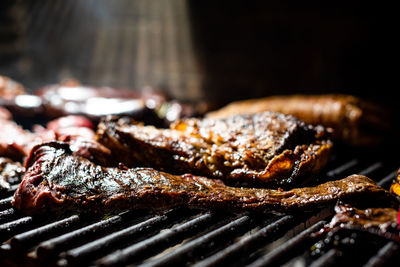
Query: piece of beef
x,y
378,221
265,148
58,180
10,173
15,142
354,121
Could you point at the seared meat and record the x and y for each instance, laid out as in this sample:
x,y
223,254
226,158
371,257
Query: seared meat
x,y
15,142
10,172
395,187
353,120
58,180
265,148
381,221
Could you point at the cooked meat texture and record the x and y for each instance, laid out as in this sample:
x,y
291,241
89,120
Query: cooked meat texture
x,y
264,148
10,173
395,187
58,180
9,88
15,142
354,121
381,221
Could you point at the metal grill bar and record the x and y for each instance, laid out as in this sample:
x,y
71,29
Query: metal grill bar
x,y
383,255
248,243
343,168
156,243
199,244
328,259
5,202
9,229
371,169
7,214
387,180
280,253
54,245
84,252
24,240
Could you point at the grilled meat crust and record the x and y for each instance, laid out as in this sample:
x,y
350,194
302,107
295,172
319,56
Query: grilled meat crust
x,y
395,187
56,179
354,121
378,221
265,148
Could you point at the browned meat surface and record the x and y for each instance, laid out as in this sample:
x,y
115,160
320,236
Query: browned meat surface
x,y
58,180
10,172
15,142
378,221
353,120
265,148
379,218
395,187
9,89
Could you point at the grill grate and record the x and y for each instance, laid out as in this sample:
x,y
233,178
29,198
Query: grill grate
x,y
191,237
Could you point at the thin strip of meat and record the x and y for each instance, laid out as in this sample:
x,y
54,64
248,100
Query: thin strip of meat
x,y
264,148
58,180
354,121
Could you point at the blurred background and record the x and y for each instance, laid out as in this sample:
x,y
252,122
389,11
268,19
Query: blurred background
x,y
216,51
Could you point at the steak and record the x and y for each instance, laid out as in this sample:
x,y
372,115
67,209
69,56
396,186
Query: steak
x,y
265,148
58,180
10,173
355,121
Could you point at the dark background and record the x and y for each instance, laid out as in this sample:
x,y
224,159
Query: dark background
x,y
213,50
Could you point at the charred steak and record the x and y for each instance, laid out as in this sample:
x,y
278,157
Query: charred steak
x,y
56,179
354,121
264,148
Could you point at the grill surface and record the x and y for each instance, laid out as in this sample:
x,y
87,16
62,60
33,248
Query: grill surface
x,y
194,237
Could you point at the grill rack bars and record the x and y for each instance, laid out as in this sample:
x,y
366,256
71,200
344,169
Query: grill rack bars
x,y
182,236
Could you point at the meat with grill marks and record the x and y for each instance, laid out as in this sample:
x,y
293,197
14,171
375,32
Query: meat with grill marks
x,y
58,180
265,148
355,121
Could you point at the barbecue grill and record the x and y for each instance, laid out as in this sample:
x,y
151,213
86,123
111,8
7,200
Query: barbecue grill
x,y
184,236
195,237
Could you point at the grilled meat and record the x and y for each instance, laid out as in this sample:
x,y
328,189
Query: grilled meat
x,y
354,121
15,142
10,172
58,180
265,148
380,221
395,187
